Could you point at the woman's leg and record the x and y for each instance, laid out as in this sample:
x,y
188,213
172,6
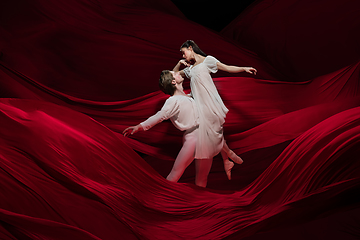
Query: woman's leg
x,y
228,165
226,150
203,167
227,153
184,158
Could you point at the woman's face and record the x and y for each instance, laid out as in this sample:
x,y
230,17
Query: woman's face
x,y
187,53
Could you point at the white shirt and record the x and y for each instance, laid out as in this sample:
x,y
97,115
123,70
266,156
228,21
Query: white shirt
x,y
180,109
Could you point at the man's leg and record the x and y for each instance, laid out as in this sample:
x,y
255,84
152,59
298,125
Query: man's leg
x,y
203,167
184,158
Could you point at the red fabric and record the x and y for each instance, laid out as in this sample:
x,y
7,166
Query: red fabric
x,y
302,39
74,74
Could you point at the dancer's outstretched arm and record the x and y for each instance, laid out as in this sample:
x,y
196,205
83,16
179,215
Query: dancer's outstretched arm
x,y
235,69
133,129
160,116
167,111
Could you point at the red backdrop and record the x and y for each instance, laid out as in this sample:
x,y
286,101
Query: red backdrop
x,y
74,74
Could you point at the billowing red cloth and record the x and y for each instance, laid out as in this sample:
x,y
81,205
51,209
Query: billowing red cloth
x,y
75,74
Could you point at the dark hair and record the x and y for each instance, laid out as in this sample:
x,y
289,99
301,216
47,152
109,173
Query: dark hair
x,y
194,46
165,82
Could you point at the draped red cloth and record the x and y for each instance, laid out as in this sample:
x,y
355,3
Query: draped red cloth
x,y
74,74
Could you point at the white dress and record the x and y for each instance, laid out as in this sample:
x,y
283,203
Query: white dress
x,y
212,111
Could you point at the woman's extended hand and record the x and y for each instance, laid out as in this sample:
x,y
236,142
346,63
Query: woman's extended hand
x,y
133,129
250,70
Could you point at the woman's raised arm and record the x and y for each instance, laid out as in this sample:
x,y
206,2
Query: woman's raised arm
x,y
178,65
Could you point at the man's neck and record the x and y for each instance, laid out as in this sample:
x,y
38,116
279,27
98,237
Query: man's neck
x,y
179,92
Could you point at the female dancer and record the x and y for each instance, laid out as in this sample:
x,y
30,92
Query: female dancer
x,y
183,112
212,111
